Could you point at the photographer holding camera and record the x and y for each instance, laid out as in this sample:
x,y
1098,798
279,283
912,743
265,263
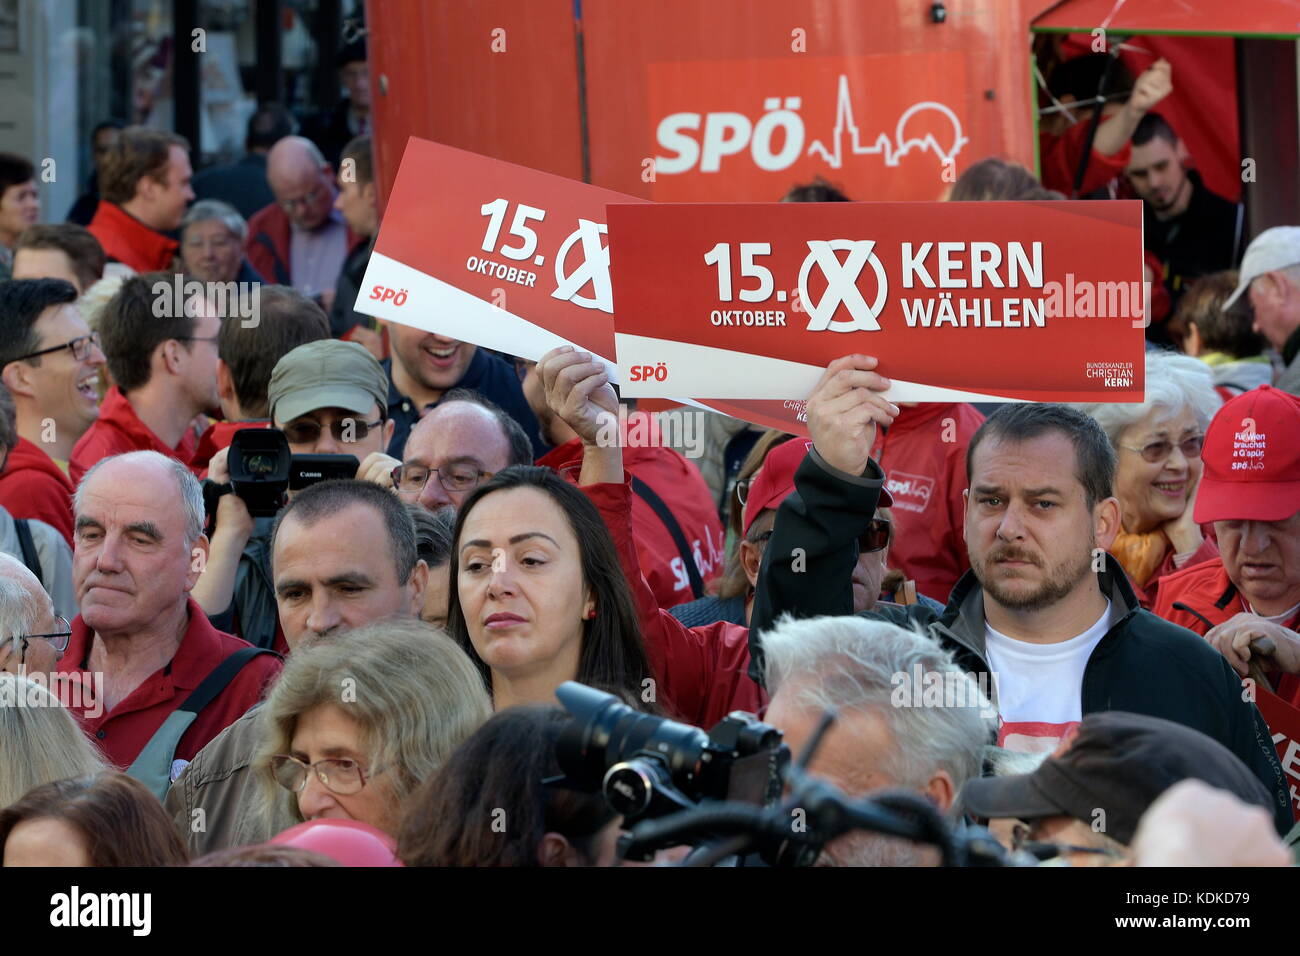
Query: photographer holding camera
x,y
329,399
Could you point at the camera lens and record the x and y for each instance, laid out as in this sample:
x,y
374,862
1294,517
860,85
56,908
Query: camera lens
x,y
259,464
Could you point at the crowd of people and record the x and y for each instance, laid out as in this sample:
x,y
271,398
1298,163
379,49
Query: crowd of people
x,y
365,672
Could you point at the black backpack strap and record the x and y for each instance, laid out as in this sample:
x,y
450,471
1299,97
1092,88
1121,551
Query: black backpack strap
x,y
220,677
28,545
153,764
647,494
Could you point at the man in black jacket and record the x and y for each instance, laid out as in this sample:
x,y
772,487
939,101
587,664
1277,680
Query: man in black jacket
x,y
1045,618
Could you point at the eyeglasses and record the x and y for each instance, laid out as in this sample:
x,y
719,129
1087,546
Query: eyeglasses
x,y
345,430
1160,450
462,476
876,537
80,347
288,205
340,775
217,243
1020,842
58,639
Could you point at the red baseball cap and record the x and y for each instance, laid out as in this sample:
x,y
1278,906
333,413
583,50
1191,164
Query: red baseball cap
x,y
1252,459
774,482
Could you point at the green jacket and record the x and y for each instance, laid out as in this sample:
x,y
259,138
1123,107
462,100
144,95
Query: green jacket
x,y
1144,664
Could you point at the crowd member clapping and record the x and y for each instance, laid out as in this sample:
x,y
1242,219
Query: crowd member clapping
x,y
107,819
355,723
490,805
1252,589
1158,450
40,741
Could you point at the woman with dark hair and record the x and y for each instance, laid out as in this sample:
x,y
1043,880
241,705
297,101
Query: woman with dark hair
x,y
488,806
106,819
546,584
540,596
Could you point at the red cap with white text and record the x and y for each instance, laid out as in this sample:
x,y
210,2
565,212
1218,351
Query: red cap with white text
x,y
1252,459
774,482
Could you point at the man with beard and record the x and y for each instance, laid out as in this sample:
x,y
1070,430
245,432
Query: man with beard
x,y
1044,608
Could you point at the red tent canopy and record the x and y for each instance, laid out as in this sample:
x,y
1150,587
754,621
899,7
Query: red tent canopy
x,y
1259,18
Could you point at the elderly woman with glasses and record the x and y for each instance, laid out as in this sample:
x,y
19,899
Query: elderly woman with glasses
x,y
357,721
1158,450
212,243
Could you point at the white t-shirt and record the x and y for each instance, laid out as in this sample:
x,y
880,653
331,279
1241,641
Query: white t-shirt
x,y
1039,686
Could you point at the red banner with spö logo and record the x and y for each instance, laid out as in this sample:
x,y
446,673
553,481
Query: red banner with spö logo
x,y
508,258
959,301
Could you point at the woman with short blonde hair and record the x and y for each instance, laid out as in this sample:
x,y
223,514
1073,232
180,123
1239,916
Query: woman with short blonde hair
x,y
356,722
40,741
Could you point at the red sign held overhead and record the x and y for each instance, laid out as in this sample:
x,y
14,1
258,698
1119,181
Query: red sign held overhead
x,y
508,258
960,301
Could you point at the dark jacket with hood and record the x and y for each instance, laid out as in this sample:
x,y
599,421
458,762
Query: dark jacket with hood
x,y
1144,665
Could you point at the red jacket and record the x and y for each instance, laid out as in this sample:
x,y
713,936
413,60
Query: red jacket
x,y
267,245
123,732
1206,589
129,241
1208,551
1060,155
118,429
216,438
703,672
683,490
33,486
923,455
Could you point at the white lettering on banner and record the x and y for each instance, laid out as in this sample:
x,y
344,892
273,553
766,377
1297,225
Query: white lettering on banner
x,y
500,270
986,257
971,313
747,318
728,133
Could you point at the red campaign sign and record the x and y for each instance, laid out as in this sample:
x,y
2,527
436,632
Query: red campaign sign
x,y
1284,723
507,258
960,301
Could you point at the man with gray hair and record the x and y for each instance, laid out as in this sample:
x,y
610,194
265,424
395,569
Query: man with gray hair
x,y
892,729
171,682
31,637
1269,284
300,239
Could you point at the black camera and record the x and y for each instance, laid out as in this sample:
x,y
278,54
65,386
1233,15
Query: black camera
x,y
649,766
262,469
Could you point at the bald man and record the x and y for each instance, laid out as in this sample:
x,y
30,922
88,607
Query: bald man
x,y
300,240
456,447
26,610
